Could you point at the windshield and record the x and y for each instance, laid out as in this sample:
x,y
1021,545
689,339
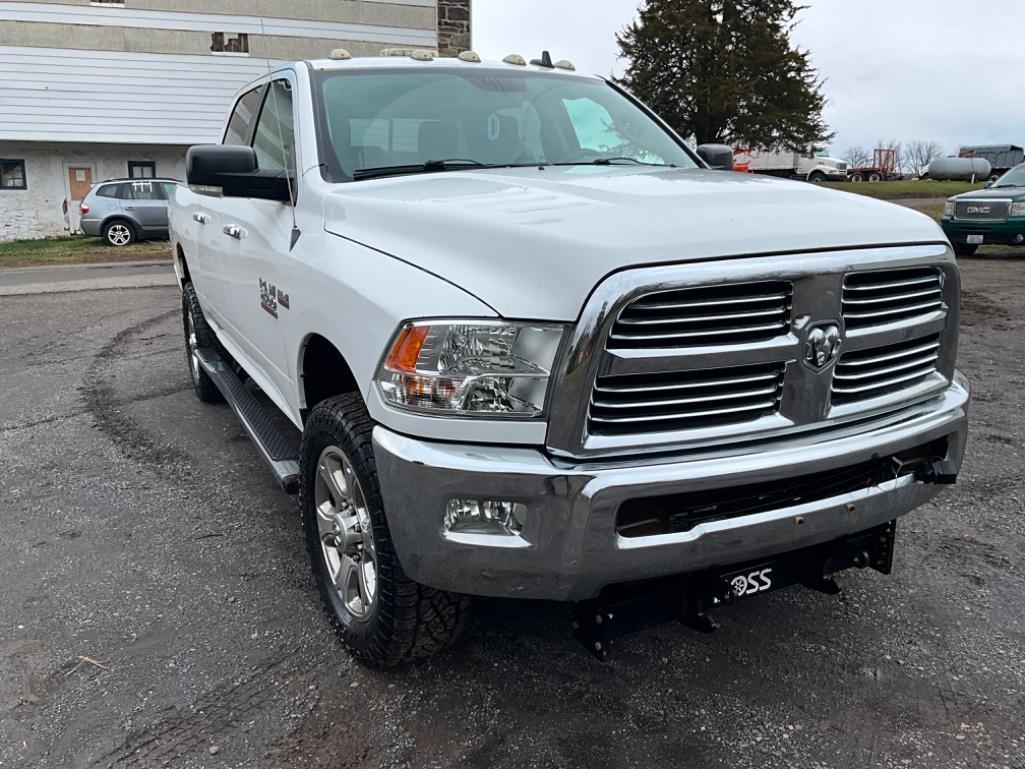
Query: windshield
x,y
1013,178
404,120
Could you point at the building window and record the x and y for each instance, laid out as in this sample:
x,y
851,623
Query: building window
x,y
222,43
141,169
12,175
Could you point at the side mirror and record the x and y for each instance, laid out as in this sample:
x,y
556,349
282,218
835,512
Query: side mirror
x,y
719,157
233,170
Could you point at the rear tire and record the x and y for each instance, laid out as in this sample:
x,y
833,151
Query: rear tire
x,y
119,233
963,249
856,178
875,177
382,616
198,336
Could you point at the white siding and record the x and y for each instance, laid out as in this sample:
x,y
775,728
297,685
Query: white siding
x,y
114,97
212,22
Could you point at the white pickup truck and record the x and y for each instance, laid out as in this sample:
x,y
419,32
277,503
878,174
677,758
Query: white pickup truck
x,y
506,335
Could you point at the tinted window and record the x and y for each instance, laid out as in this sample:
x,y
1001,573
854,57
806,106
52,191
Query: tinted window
x,y
499,118
274,141
120,191
242,118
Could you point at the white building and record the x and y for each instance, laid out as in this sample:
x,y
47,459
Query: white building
x,y
99,89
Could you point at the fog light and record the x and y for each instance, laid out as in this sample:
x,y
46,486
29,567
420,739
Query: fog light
x,y
1019,238
484,516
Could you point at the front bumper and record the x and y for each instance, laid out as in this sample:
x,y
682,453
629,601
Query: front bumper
x,y
569,549
1010,232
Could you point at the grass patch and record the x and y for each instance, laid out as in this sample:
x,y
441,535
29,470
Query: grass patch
x,y
78,250
924,188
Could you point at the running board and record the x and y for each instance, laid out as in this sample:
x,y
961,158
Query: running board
x,y
279,449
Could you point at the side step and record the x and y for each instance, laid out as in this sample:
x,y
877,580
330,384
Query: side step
x,y
279,448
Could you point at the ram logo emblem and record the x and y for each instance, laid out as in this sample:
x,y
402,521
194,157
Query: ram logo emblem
x,y
823,346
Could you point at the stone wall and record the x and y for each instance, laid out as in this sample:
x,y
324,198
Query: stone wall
x,y
454,35
42,210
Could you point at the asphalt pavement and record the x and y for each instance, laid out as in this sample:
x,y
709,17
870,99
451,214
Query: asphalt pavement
x,y
59,279
156,608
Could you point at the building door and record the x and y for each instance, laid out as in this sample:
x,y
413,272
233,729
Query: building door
x,y
78,180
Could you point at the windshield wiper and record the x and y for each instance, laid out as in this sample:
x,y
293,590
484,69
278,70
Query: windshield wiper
x,y
431,166
613,161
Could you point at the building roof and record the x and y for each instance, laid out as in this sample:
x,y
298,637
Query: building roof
x,y
68,95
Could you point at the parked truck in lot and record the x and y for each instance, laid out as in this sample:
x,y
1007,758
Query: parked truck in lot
x,y
506,335
808,165
1001,157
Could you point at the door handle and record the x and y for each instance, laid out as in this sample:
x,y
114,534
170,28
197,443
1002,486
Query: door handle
x,y
234,231
201,218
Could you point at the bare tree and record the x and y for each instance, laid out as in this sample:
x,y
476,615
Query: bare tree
x,y
857,157
921,153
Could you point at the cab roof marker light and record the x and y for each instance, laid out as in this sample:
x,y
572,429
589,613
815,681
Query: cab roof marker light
x,y
340,54
469,56
515,58
565,64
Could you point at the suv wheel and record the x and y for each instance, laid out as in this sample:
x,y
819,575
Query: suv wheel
x,y
383,617
198,336
118,233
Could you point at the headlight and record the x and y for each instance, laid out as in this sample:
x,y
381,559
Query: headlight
x,y
471,368
1018,208
948,209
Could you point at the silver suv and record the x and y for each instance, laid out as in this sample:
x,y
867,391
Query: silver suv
x,y
122,211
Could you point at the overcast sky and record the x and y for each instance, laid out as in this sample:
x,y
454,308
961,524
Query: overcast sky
x,y
946,70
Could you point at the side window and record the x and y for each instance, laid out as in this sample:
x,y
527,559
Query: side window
x,y
242,118
274,141
169,188
108,191
147,191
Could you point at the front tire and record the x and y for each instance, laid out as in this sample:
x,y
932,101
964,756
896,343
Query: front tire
x,y
963,249
817,176
382,616
119,233
198,336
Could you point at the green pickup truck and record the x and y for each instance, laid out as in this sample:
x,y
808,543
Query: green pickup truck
x,y
993,215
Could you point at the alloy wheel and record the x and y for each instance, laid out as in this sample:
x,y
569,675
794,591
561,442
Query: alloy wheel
x,y
346,533
119,235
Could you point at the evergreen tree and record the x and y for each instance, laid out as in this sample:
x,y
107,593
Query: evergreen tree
x,y
725,71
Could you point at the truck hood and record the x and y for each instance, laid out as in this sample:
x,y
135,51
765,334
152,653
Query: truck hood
x,y
533,243
994,193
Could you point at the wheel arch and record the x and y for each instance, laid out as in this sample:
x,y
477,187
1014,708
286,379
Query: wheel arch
x,y
323,373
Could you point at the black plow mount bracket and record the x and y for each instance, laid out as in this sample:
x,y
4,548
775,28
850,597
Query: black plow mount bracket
x,y
625,609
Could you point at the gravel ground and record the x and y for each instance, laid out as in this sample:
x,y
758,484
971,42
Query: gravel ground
x,y
156,609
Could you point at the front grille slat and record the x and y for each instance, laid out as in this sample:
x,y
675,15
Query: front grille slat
x,y
722,317
729,314
706,303
729,396
886,370
682,400
891,296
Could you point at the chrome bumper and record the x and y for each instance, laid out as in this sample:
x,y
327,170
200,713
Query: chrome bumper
x,y
569,549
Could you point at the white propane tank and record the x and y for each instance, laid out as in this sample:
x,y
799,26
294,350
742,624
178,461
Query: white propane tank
x,y
960,169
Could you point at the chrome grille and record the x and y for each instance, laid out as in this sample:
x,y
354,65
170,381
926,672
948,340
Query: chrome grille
x,y
876,298
712,315
880,371
642,403
982,210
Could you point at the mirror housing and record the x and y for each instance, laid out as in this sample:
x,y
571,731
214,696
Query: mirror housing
x,y
719,157
233,169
